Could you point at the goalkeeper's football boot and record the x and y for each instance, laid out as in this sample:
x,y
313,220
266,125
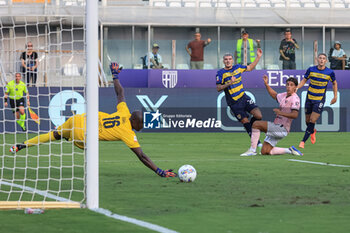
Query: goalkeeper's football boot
x,y
313,137
249,152
302,144
295,151
17,148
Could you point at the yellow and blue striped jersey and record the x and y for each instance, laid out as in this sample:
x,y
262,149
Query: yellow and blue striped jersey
x,y
235,91
318,82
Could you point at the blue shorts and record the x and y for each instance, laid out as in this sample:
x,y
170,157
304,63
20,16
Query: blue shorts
x,y
242,107
313,106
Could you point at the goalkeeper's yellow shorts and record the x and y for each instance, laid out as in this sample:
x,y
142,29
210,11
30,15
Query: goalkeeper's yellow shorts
x,y
74,130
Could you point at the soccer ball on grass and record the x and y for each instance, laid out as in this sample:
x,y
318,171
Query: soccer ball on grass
x,y
187,173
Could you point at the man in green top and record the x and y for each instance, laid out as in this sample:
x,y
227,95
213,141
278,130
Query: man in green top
x,y
245,54
14,91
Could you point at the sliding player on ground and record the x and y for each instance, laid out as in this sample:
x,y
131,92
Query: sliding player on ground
x,y
117,126
229,80
289,105
319,77
14,91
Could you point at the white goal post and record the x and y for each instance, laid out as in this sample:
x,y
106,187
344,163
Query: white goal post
x,y
55,174
92,155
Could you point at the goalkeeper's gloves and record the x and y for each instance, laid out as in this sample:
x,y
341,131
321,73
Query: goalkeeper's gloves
x,y
165,173
115,70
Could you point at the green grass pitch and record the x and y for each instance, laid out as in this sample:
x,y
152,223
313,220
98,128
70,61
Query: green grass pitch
x,y
260,194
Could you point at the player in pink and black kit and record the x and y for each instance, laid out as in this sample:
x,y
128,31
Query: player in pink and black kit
x,y
289,109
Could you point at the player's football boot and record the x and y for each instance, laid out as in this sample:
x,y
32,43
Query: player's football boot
x,y
295,151
14,149
302,144
259,147
17,148
313,137
249,153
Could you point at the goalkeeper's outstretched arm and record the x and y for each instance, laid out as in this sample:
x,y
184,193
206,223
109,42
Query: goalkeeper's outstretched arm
x,y
149,163
119,90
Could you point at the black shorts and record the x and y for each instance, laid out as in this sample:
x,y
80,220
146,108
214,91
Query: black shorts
x,y
314,106
242,107
16,103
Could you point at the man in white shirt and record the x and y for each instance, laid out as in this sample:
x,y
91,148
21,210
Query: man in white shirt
x,y
155,58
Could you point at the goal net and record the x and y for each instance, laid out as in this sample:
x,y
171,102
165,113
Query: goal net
x,y
52,174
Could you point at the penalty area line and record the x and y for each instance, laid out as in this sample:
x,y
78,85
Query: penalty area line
x,y
318,163
105,212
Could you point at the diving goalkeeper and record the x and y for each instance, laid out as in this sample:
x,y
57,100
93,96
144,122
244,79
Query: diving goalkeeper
x,y
112,127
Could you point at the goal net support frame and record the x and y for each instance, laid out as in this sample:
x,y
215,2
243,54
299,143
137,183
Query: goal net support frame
x,y
91,161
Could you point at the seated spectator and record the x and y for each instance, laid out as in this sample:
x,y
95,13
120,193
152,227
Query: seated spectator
x,y
337,57
155,58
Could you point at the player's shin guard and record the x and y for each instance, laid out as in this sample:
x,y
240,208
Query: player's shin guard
x,y
309,130
48,137
254,139
21,120
252,120
248,128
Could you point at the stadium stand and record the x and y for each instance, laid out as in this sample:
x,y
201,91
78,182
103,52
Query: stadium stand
x,y
182,66
208,66
251,3
71,70
199,3
215,18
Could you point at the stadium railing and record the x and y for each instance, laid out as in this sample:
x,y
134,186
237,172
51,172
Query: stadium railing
x,y
195,3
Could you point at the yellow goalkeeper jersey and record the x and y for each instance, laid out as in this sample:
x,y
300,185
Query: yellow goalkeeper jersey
x,y
117,126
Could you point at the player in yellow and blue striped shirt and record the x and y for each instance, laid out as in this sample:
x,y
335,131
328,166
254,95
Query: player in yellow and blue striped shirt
x,y
319,77
229,80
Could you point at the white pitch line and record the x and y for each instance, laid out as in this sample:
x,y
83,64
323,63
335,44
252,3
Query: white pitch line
x,y
133,221
318,163
105,212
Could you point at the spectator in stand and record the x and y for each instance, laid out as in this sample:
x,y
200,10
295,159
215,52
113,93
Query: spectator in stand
x,y
287,51
245,54
155,58
197,51
30,64
337,57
